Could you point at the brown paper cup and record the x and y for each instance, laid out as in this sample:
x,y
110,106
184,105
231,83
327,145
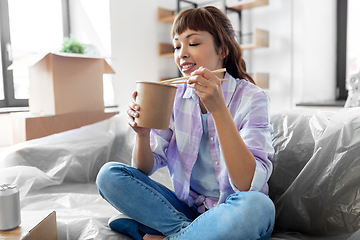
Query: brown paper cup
x,y
156,101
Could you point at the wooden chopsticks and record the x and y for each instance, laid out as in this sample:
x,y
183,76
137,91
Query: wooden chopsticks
x,y
184,79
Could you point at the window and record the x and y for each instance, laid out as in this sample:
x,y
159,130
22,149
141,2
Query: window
x,y
2,97
27,27
348,47
32,30
353,38
39,26
341,92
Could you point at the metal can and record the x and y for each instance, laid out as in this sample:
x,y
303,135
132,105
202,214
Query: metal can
x,y
10,216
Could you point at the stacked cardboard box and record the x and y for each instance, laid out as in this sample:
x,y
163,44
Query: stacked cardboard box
x,y
66,92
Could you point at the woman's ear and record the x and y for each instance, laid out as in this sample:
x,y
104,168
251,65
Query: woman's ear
x,y
224,52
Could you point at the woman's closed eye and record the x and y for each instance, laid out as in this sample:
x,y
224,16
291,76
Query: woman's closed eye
x,y
190,44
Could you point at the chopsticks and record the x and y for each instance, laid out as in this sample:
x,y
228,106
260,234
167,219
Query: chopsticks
x,y
184,79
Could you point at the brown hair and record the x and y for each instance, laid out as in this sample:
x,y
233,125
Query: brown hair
x,y
214,21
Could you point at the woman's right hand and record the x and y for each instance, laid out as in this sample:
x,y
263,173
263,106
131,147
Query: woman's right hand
x,y
133,113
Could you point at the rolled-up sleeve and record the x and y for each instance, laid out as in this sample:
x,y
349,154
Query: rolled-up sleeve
x,y
255,130
159,142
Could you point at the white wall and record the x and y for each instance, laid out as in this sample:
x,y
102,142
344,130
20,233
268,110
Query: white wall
x,y
5,123
134,46
1,78
276,60
5,130
90,25
314,41
135,34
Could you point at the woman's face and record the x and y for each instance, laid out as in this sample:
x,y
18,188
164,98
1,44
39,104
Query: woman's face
x,y
193,49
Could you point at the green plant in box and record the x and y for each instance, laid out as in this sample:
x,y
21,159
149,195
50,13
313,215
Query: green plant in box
x,y
71,45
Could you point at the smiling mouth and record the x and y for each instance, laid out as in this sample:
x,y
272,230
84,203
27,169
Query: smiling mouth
x,y
187,67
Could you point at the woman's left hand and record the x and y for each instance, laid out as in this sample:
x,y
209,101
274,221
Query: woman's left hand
x,y
208,87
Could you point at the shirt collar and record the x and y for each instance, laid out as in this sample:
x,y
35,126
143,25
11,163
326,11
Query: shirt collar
x,y
229,87
190,93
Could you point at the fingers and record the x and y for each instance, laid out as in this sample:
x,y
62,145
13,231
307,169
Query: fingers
x,y
208,87
133,105
205,73
131,122
133,110
134,95
197,82
197,79
204,77
133,113
201,71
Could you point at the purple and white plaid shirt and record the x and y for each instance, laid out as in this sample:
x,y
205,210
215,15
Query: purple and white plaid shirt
x,y
177,148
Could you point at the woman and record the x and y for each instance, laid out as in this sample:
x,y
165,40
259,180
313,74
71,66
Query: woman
x,y
217,148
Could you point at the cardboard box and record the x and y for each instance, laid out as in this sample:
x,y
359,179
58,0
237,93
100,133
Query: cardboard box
x,y
35,225
27,126
62,83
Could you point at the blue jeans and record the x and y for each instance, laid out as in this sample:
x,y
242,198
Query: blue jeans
x,y
244,215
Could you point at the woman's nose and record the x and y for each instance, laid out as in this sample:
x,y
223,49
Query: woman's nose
x,y
184,52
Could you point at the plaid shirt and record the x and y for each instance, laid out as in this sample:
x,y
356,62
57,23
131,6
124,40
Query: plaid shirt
x,y
177,148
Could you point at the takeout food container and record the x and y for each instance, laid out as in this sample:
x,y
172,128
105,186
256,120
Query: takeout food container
x,y
156,102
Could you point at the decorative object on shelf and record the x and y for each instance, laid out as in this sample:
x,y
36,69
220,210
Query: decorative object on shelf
x,y
353,84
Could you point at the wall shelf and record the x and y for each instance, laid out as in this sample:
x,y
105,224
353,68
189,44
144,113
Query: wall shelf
x,y
260,40
248,4
165,15
261,80
165,50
